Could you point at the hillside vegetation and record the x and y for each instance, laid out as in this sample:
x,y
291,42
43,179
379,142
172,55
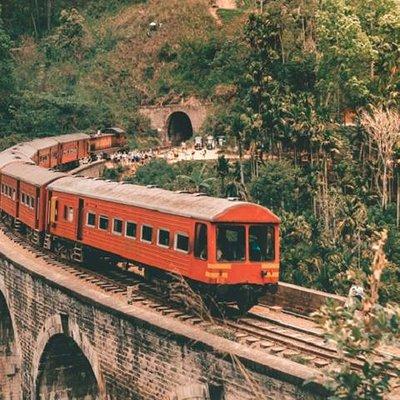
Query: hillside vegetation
x,y
94,64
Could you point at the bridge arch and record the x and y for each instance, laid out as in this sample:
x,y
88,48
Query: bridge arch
x,y
179,128
10,351
65,365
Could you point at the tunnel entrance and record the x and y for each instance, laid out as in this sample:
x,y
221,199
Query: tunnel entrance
x,y
65,372
10,376
179,128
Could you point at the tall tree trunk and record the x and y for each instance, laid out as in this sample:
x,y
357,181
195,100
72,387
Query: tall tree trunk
x,y
48,15
384,186
241,160
398,201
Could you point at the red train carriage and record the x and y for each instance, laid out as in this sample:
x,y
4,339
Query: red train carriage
x,y
232,247
100,142
46,152
72,148
109,140
119,137
23,196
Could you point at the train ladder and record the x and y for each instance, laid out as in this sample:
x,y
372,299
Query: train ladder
x,y
36,237
47,241
77,254
17,225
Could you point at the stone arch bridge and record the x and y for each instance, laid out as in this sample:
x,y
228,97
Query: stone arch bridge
x,y
176,122
62,338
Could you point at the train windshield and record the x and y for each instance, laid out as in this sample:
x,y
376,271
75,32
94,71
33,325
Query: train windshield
x,y
261,242
231,243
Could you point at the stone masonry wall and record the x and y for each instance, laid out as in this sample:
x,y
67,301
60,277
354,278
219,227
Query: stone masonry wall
x,y
300,300
135,353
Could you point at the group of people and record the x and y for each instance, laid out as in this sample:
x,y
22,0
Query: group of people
x,y
133,157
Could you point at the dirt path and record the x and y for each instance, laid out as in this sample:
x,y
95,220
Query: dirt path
x,y
227,4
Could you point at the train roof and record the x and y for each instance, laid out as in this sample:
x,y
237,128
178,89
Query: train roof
x,y
181,204
31,173
10,156
71,137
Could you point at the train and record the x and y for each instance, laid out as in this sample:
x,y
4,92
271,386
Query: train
x,y
227,250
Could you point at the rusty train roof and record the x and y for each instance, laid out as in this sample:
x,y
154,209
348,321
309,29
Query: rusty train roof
x,y
31,173
182,204
25,151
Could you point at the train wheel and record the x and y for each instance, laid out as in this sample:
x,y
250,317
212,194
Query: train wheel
x,y
244,306
246,299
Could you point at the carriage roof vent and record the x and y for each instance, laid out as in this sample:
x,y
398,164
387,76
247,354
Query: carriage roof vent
x,y
151,186
233,198
199,194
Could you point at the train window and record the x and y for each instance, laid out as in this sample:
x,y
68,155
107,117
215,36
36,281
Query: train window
x,y
163,238
261,242
130,231
231,243
147,233
182,242
200,244
14,194
68,213
117,226
103,223
31,202
91,219
23,198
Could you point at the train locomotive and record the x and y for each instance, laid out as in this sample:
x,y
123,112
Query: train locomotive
x,y
226,249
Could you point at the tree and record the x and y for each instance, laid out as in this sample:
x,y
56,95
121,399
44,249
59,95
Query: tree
x,y
197,180
359,331
68,39
345,54
383,128
278,186
6,75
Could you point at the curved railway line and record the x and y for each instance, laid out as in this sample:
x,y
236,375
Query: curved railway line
x,y
298,343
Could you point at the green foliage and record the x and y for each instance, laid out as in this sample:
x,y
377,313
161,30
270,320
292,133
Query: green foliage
x,y
200,66
68,40
278,186
6,76
359,331
157,172
44,114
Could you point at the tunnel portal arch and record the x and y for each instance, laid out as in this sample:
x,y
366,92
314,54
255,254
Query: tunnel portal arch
x,y
65,372
179,128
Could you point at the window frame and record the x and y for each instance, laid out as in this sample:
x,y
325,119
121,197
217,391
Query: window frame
x,y
176,242
108,223
268,226
196,239
114,232
126,230
141,234
87,219
164,246
245,240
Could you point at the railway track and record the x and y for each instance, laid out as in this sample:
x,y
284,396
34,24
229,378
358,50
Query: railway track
x,y
255,330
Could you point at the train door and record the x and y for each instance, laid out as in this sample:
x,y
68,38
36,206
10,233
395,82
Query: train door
x,y
80,219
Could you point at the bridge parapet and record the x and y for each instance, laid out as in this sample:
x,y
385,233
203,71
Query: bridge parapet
x,y
126,351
